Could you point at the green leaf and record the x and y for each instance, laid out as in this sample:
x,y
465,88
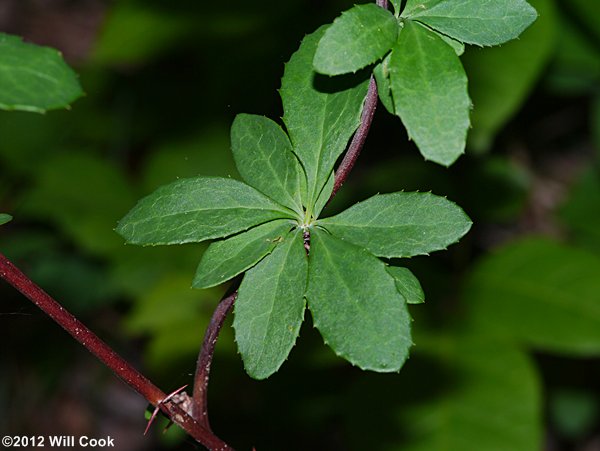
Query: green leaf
x,y
487,397
459,47
382,74
34,78
429,87
397,4
169,315
384,89
197,209
581,211
573,412
356,306
325,194
539,293
4,218
264,158
359,37
149,31
320,114
400,224
83,195
226,259
588,12
407,284
270,307
206,152
474,21
500,79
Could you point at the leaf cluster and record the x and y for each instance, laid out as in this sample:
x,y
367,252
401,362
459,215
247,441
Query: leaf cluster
x,y
416,50
270,220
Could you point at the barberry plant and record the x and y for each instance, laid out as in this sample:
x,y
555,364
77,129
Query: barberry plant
x,y
293,257
270,225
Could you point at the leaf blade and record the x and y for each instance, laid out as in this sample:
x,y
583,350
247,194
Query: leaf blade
x,y
400,224
381,72
510,291
4,218
34,78
264,158
226,259
407,284
319,119
474,21
429,88
270,307
359,37
197,209
357,308
500,79
472,375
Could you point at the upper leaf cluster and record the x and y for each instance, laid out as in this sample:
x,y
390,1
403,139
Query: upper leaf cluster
x,y
419,74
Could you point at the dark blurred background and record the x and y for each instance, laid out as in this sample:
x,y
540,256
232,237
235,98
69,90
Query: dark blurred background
x,y
508,342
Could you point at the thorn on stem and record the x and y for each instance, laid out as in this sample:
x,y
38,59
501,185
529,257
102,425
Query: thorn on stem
x,y
157,408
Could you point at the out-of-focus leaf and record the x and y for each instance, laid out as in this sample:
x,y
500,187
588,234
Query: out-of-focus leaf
x,y
83,195
574,412
540,293
429,86
135,33
80,284
175,316
501,78
208,154
359,37
34,78
595,126
135,268
28,140
576,66
588,12
498,190
4,218
581,211
490,400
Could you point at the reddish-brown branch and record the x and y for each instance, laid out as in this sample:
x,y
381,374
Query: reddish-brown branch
x,y
200,399
107,355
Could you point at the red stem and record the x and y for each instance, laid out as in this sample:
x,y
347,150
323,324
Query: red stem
x,y
107,355
200,398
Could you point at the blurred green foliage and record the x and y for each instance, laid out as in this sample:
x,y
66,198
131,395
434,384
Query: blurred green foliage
x,y
509,314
